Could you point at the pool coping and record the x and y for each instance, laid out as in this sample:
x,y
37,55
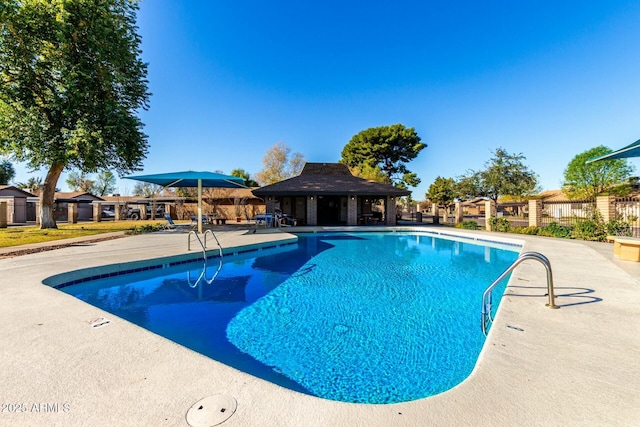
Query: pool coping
x,y
574,366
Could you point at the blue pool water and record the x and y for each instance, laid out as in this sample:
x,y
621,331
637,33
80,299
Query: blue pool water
x,y
357,317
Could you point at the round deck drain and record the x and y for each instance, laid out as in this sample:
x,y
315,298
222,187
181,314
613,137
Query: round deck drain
x,y
211,411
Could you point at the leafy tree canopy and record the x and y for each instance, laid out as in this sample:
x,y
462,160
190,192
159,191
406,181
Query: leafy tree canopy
x,y
105,183
468,185
588,180
79,181
442,191
372,173
146,189
32,184
279,164
7,172
504,174
241,173
71,84
389,148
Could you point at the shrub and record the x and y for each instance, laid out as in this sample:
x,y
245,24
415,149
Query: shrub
x,y
618,227
556,230
469,225
590,229
499,224
146,228
531,230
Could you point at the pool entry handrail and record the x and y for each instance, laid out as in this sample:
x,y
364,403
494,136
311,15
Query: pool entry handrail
x,y
204,258
215,238
203,245
486,296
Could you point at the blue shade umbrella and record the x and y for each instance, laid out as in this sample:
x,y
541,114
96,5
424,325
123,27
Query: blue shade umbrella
x,y
192,179
631,150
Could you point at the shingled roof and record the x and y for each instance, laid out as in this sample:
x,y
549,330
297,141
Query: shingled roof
x,y
331,179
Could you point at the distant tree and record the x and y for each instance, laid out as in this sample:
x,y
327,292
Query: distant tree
x,y
588,180
411,204
71,86
442,191
504,174
79,181
146,189
279,164
104,183
7,172
32,184
187,192
241,173
388,147
469,186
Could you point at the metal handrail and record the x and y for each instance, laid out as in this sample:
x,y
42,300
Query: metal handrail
x,y
204,258
215,238
486,296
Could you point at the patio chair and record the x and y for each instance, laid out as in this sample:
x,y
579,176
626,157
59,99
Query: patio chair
x,y
170,225
194,220
265,219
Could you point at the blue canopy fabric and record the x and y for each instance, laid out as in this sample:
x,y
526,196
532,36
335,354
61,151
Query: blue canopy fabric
x,y
631,150
192,179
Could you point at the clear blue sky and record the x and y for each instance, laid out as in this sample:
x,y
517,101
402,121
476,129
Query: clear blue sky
x,y
230,79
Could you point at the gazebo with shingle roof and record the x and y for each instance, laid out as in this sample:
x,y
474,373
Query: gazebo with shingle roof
x,y
328,194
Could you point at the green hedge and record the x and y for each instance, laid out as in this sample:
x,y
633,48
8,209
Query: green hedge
x,y
468,225
586,229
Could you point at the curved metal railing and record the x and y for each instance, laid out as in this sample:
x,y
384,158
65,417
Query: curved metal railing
x,y
486,296
203,273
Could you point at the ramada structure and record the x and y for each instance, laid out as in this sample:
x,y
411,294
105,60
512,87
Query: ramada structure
x,y
328,194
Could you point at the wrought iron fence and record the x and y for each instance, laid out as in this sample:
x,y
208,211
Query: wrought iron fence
x,y
627,209
567,212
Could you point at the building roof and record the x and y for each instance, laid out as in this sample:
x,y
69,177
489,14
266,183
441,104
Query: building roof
x,y
12,191
229,193
552,196
331,179
75,195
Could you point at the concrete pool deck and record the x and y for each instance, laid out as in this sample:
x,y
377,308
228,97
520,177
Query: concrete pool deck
x,y
576,366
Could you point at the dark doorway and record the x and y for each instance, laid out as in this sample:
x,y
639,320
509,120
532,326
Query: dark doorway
x,y
328,210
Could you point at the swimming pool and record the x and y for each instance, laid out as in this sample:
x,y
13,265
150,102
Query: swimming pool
x,y
355,317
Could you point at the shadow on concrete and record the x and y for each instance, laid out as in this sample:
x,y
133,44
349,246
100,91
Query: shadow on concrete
x,y
577,293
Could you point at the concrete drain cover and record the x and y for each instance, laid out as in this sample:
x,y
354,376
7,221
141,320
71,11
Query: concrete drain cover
x,y
211,411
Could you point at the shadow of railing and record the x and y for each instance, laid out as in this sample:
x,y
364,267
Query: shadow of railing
x,y
578,293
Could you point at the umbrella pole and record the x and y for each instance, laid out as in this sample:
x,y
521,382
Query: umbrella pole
x,y
200,206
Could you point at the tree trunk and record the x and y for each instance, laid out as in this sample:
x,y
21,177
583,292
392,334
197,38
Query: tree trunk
x,y
48,195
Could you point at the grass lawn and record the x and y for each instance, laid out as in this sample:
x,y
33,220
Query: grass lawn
x,y
15,236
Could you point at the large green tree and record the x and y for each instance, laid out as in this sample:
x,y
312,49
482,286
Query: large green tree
x,y
372,173
241,173
442,191
584,180
388,147
7,172
71,85
504,175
